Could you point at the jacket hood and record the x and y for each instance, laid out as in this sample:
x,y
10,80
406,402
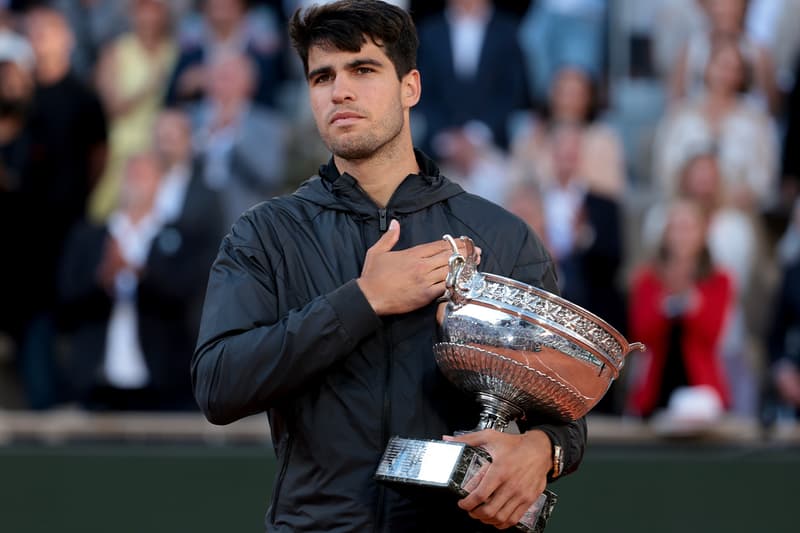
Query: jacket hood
x,y
334,190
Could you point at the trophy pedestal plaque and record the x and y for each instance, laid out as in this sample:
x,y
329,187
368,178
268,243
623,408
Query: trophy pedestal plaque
x,y
518,349
451,465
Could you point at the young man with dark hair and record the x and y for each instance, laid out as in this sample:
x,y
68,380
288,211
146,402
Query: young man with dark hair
x,y
321,306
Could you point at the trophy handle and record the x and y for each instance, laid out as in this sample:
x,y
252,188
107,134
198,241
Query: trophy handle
x,y
460,270
635,346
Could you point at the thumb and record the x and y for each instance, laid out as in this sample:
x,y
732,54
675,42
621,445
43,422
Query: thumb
x,y
389,239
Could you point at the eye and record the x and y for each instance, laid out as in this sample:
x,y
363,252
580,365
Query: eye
x,y
321,78
364,70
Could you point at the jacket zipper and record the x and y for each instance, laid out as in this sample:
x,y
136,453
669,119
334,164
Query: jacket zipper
x,y
383,225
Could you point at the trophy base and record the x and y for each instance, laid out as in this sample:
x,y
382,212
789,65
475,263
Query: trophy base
x,y
450,465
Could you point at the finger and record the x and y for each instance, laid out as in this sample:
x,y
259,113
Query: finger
x,y
518,513
510,512
475,438
475,480
498,508
436,290
430,249
481,494
442,247
437,274
389,239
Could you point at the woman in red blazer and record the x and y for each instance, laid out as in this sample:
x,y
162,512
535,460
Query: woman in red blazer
x,y
678,308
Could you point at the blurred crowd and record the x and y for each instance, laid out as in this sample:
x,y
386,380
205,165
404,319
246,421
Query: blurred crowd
x,y
656,152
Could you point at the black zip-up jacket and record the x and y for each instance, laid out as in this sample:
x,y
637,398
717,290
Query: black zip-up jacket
x,y
287,330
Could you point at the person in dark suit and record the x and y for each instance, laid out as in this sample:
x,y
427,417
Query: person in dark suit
x,y
131,289
471,63
67,131
227,30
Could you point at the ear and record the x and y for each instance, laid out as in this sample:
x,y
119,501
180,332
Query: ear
x,y
411,88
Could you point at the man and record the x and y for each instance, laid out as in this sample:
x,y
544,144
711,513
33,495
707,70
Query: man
x,y
243,143
469,55
321,306
129,288
67,132
227,28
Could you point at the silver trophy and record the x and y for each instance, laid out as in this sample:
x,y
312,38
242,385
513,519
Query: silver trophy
x,y
518,349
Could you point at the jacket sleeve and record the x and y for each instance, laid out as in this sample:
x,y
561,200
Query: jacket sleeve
x,y
534,266
248,356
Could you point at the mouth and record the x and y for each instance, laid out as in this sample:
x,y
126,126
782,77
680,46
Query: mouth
x,y
345,117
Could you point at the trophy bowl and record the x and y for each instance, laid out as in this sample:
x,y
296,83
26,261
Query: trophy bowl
x,y
519,348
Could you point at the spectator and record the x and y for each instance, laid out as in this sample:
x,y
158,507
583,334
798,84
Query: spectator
x,y
726,22
131,290
95,24
226,28
573,101
67,128
584,232
722,117
242,143
678,307
558,32
132,81
734,248
469,58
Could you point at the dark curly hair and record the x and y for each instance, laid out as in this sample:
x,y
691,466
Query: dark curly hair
x,y
347,24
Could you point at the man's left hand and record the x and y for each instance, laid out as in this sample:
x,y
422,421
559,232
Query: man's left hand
x,y
504,490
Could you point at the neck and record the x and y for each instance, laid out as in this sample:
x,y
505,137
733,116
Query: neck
x,y
48,73
137,214
150,40
224,32
380,174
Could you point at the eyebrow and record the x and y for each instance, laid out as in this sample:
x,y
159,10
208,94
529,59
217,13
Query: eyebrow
x,y
327,69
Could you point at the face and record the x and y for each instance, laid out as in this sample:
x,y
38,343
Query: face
x,y
141,182
726,16
49,35
224,13
685,233
173,136
571,95
150,16
359,105
725,69
230,79
701,179
15,82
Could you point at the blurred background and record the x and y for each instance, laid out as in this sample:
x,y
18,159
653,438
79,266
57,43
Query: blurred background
x,y
653,145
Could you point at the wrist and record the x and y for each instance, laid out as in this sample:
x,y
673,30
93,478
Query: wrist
x,y
543,441
369,295
555,453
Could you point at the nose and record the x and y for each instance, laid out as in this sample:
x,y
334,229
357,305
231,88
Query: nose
x,y
342,90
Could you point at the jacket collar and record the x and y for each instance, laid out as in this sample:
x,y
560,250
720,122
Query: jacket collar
x,y
342,191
